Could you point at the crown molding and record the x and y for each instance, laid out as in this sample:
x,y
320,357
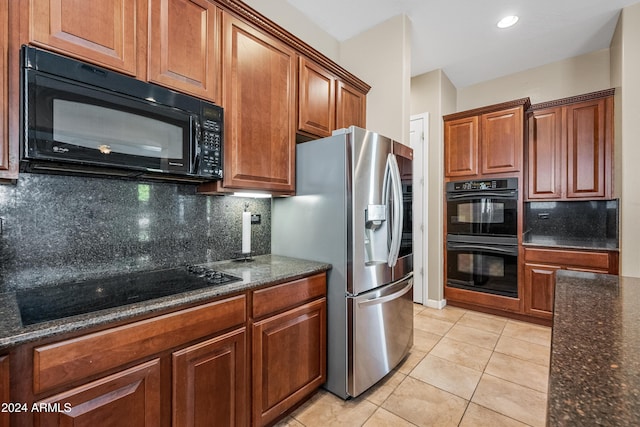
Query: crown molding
x,y
251,16
573,99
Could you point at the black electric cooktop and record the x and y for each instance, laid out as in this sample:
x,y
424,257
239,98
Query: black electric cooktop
x,y
70,299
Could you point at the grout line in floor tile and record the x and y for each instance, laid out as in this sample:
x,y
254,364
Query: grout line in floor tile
x,y
468,401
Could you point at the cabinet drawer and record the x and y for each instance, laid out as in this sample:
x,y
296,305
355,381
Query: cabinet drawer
x,y
75,359
287,295
589,260
130,397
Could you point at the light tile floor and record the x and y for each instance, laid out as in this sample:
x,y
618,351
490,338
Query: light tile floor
x,y
465,369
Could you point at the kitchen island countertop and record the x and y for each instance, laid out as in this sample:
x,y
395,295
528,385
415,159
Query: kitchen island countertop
x,y
595,351
264,270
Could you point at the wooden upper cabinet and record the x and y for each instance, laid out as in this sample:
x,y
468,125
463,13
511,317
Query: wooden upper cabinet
x,y
184,39
4,88
461,147
326,103
570,148
502,141
485,141
545,154
587,146
259,98
316,99
351,106
102,32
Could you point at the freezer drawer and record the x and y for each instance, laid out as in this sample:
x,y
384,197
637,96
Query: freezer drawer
x,y
380,333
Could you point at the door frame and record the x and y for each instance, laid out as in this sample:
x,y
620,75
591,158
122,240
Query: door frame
x,y
420,210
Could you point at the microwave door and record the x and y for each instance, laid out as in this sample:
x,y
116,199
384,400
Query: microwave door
x,y
74,123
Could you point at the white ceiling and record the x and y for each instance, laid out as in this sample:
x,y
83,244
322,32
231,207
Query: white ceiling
x,y
461,36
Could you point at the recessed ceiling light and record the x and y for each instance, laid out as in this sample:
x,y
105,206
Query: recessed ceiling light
x,y
508,21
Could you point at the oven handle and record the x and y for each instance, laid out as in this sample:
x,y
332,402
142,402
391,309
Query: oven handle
x,y
507,249
461,282
497,195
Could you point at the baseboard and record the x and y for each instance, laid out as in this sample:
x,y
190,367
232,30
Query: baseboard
x,y
434,303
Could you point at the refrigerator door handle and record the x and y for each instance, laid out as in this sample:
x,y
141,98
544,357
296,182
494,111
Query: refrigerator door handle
x,y
387,189
398,210
386,298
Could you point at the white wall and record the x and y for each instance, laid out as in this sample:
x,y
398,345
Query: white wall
x,y
291,19
381,56
616,82
434,93
570,77
627,69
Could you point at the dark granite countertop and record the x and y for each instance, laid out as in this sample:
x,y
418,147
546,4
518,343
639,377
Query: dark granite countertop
x,y
595,351
569,243
263,270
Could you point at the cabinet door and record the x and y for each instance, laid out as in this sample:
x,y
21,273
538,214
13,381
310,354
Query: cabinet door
x,y
461,147
289,359
502,137
209,383
131,397
351,106
539,286
316,99
4,90
184,37
4,389
259,76
545,154
586,149
102,32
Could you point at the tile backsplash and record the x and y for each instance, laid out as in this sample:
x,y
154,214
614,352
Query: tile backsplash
x,y
62,228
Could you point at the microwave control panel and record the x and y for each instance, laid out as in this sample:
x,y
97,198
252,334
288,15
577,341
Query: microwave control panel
x,y
211,149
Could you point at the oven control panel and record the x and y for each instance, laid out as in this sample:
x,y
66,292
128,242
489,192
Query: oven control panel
x,y
480,185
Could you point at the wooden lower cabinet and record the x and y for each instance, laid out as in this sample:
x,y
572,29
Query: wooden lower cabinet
x,y
187,368
4,389
540,281
289,359
209,383
130,397
289,345
540,270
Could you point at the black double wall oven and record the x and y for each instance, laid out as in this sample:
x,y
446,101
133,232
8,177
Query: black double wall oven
x,y
482,240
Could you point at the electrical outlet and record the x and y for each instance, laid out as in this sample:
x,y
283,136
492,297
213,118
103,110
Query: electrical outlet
x,y
255,218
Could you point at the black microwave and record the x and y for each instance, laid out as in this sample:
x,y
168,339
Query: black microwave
x,y
80,118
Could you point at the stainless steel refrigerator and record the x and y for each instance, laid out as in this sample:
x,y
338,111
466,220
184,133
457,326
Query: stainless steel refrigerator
x,y
353,209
